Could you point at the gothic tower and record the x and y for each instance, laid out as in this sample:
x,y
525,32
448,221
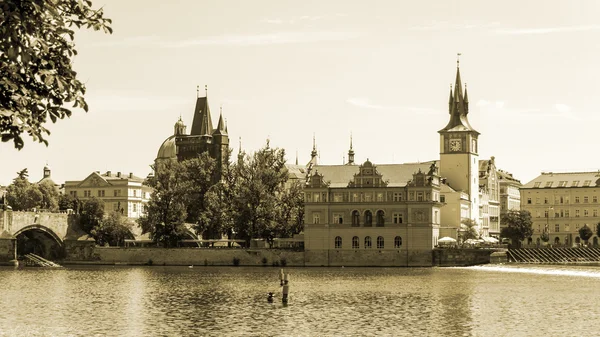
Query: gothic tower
x,y
459,160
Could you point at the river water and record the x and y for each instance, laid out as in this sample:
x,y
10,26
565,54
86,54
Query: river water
x,y
493,300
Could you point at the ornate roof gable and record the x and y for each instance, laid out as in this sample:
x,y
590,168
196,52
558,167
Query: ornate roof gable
x,y
94,180
421,179
316,181
367,176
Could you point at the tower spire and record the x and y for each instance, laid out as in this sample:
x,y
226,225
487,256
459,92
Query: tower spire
x,y
466,98
296,156
206,90
197,91
351,152
313,154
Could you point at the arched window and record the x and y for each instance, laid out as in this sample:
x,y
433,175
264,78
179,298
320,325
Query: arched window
x,y
529,240
397,242
368,218
380,218
355,244
578,240
380,244
338,242
556,240
355,219
537,241
367,242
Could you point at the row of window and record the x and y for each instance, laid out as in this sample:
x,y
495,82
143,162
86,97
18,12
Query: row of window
x,y
370,197
566,213
565,228
565,199
563,183
102,193
367,242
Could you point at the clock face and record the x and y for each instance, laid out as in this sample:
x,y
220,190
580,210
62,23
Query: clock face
x,y
455,145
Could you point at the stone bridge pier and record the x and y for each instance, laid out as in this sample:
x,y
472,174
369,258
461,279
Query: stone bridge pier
x,y
53,236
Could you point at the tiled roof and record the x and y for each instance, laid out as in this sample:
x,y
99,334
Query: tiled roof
x,y
123,176
502,175
296,171
396,175
566,179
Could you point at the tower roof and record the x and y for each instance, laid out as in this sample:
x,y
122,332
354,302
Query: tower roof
x,y
221,127
458,107
202,123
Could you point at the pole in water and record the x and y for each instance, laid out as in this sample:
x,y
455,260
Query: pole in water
x,y
285,291
281,277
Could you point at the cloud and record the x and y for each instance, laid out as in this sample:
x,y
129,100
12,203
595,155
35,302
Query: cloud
x,y
548,30
445,25
365,103
232,40
298,19
264,39
562,108
558,111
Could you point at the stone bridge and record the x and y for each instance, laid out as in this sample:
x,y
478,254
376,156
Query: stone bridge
x,y
50,235
54,236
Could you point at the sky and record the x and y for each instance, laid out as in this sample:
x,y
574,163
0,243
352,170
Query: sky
x,y
290,70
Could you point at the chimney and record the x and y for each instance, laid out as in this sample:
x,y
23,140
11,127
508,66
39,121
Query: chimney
x,y
130,175
118,174
108,173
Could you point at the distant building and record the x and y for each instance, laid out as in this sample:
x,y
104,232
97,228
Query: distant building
x,y
202,138
47,176
562,203
124,193
510,197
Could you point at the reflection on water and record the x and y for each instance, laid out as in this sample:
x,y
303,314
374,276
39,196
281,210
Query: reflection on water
x,y
225,301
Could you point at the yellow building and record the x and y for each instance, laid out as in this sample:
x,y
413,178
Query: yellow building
x,y
561,203
125,193
372,215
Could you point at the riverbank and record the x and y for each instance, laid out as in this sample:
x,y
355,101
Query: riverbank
x,y
283,257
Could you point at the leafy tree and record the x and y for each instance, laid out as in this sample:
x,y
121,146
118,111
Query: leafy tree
x,y
67,201
292,211
166,210
517,225
468,230
585,233
36,74
598,229
22,195
545,236
259,183
113,229
91,215
217,218
198,177
50,195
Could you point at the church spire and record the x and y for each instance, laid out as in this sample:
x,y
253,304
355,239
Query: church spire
x,y
221,128
313,153
351,153
458,105
240,153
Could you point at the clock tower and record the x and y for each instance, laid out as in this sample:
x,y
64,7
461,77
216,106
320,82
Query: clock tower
x,y
459,160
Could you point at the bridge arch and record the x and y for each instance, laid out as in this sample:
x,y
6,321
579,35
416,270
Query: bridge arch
x,y
39,240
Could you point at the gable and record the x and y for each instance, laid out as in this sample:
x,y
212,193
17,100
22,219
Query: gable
x,y
94,180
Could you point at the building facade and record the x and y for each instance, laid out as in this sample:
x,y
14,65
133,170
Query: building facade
x,y
361,212
560,204
123,193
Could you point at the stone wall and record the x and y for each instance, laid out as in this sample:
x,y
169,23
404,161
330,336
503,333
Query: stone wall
x,y
8,250
368,258
450,257
192,256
